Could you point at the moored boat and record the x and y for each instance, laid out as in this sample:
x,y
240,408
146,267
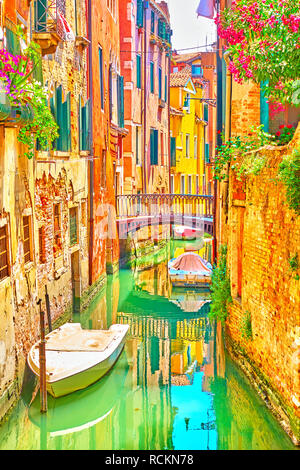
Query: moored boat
x,y
77,358
189,270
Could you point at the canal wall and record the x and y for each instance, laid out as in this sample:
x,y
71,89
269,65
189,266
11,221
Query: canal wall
x,y
262,234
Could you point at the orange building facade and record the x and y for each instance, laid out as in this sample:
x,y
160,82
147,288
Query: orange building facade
x,y
145,63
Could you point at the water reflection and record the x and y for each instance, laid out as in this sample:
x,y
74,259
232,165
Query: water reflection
x,y
174,387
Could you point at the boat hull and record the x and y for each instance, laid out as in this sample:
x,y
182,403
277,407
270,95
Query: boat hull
x,y
83,378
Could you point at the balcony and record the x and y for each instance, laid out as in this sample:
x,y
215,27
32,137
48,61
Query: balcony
x,y
48,28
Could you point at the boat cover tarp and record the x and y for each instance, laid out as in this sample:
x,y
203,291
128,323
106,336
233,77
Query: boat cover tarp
x,y
190,262
76,339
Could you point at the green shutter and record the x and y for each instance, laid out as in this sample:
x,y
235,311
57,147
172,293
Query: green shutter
x,y
59,117
151,77
207,159
12,42
159,82
206,112
138,71
101,77
173,151
140,14
152,22
154,146
121,101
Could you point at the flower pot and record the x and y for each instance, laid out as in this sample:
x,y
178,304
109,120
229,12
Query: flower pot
x,y
21,114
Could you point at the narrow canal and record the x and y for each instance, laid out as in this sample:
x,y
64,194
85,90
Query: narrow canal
x,y
174,387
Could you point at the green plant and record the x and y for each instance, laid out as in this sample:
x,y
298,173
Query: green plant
x,y
230,151
263,42
43,127
220,288
289,174
17,81
285,134
295,265
246,326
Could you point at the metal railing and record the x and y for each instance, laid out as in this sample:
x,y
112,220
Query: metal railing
x,y
48,17
146,205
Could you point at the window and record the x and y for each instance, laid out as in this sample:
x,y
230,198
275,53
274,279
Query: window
x,y
57,246
207,158
62,113
120,97
137,146
166,88
138,71
195,147
190,184
172,184
73,226
182,184
175,69
197,71
152,22
140,14
4,269
42,251
151,77
27,239
187,103
154,147
103,169
173,151
84,126
159,82
162,148
197,184
205,112
187,145
101,77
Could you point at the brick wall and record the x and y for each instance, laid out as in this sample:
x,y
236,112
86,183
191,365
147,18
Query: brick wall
x,y
262,234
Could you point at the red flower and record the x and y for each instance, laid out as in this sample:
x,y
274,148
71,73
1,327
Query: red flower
x,y
290,126
278,134
219,132
282,126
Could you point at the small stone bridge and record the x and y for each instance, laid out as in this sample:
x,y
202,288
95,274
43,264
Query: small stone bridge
x,y
135,211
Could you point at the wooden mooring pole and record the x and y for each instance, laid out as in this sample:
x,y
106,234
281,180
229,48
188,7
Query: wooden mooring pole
x,y
42,359
48,309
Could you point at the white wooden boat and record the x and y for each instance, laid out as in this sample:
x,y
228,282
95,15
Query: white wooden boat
x,y
77,358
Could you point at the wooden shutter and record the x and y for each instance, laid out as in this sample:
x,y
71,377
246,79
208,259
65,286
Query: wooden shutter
x,y
154,146
140,14
101,77
173,151
59,117
121,100
151,77
159,82
66,124
138,71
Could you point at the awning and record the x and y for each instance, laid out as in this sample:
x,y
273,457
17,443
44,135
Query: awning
x,y
206,8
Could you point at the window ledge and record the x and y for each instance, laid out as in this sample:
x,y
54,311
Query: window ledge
x,y
74,248
28,266
5,281
60,154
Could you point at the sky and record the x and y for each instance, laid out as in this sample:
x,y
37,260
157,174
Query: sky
x,y
188,30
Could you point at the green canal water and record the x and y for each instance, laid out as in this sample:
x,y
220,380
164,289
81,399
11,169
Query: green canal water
x,y
173,387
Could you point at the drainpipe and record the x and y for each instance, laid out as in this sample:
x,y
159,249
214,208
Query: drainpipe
x,y
145,102
91,160
228,98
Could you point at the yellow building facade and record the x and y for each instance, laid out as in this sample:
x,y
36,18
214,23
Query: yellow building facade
x,y
187,134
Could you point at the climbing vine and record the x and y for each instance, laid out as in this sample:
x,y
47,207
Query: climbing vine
x,y
289,174
220,288
231,151
246,326
295,266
